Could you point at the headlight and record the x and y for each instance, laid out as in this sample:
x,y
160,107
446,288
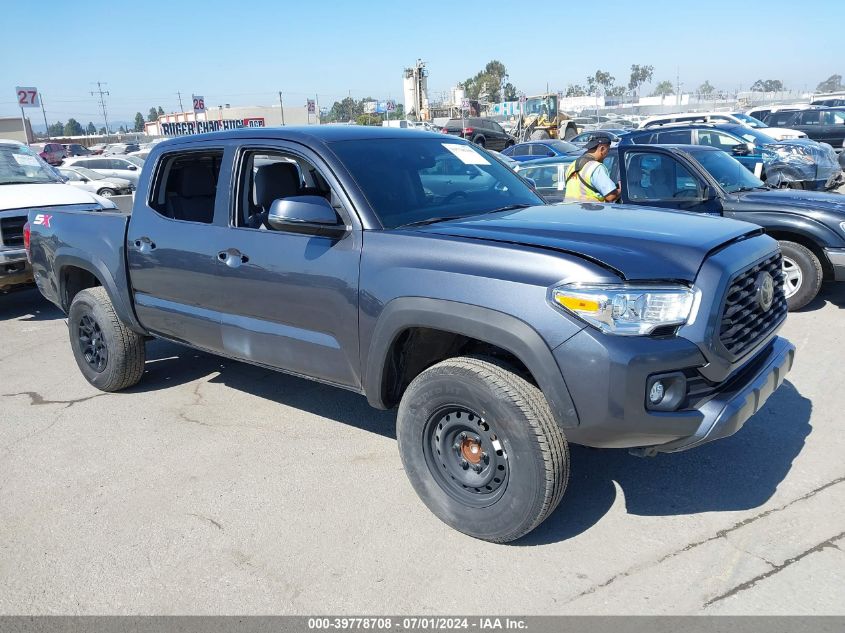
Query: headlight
x,y
628,310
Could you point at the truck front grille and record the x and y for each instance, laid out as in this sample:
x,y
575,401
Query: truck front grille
x,y
744,321
11,230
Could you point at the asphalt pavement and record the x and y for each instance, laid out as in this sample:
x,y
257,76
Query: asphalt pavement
x,y
215,487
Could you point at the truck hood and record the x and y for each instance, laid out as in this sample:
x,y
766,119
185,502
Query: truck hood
x,y
638,243
33,196
795,198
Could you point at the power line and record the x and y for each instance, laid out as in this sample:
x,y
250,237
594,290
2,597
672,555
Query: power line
x,y
102,93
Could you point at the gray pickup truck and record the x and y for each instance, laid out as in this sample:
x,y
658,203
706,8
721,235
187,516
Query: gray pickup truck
x,y
370,259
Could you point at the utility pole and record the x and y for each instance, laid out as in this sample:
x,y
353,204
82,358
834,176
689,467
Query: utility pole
x,y
678,84
101,93
179,94
46,127
281,107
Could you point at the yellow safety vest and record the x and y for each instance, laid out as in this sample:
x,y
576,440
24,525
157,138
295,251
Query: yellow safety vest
x,y
578,185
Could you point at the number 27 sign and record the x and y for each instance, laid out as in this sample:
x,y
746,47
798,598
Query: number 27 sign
x,y
28,97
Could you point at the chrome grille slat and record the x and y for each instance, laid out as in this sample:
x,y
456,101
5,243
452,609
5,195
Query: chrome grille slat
x,y
743,322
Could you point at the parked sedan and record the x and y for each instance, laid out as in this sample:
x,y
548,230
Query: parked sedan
x,y
481,131
533,150
585,137
52,153
75,149
798,163
548,175
127,167
98,148
90,180
120,148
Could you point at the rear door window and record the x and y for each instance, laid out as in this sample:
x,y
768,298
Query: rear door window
x,y
809,117
683,137
185,185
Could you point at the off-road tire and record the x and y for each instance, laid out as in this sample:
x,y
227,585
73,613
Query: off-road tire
x,y
125,349
539,135
534,447
811,273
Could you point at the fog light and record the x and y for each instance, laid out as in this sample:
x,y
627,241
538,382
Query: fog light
x,y
656,393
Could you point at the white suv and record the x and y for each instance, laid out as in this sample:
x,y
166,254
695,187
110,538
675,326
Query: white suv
x,y
740,118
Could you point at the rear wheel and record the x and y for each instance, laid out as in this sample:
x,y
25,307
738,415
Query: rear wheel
x,y
109,355
480,141
482,449
106,192
569,134
802,274
539,135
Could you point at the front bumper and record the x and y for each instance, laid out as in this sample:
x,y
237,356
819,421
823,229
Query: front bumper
x,y
609,391
836,257
14,269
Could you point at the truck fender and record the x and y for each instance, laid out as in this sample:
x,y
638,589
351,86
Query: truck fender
x,y
87,261
483,324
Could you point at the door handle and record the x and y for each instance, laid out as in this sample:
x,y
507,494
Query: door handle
x,y
145,244
232,257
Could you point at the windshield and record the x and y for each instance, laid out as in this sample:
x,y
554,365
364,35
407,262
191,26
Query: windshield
x,y
90,174
541,105
750,121
728,172
422,180
755,136
563,146
20,165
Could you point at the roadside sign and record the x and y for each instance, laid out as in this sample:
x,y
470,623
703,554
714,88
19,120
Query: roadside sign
x,y
391,106
523,98
465,104
199,104
28,97
312,108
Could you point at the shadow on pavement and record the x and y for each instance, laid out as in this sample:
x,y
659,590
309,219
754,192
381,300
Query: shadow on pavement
x,y
832,293
169,364
27,305
736,473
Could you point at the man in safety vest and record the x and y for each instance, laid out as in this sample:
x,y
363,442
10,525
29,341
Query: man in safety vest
x,y
587,179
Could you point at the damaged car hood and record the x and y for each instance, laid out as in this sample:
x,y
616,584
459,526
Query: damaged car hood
x,y
638,243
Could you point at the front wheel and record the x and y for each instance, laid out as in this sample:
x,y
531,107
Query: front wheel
x,y
802,274
109,355
482,449
106,192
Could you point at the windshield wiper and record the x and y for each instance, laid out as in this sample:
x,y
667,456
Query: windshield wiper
x,y
434,220
510,207
26,182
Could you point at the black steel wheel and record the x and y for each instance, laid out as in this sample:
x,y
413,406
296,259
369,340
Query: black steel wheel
x,y
482,448
109,354
92,343
466,456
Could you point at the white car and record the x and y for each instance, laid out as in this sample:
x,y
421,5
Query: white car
x,y
126,167
740,118
90,180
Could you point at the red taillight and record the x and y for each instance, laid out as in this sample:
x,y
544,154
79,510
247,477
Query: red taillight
x,y
26,237
468,130
444,130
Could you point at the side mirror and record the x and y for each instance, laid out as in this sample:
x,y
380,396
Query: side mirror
x,y
132,168
531,183
707,193
550,154
83,180
742,149
305,214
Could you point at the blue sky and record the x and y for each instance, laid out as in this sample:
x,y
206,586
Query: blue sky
x,y
244,53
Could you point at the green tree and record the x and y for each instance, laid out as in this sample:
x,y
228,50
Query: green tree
x,y
90,129
160,111
56,129
706,89
101,131
487,83
767,85
616,91
575,90
663,88
510,93
152,116
139,122
601,80
831,84
639,75
73,128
